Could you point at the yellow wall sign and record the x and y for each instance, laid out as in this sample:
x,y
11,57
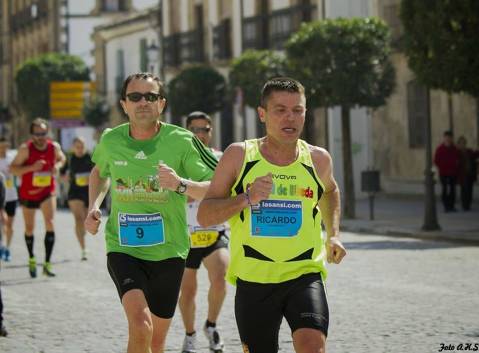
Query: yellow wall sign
x,y
67,99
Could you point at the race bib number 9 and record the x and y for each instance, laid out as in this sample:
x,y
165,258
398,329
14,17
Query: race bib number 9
x,y
81,179
42,179
276,218
141,229
203,238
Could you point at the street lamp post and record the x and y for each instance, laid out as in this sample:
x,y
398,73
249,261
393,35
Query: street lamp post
x,y
152,56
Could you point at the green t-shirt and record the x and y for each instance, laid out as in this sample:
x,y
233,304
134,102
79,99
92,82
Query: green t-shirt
x,y
147,221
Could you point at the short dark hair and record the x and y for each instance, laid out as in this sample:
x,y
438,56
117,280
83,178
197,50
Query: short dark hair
x,y
196,116
38,122
280,84
448,133
142,76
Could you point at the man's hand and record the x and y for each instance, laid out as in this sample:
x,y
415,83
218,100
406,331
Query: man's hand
x,y
93,220
335,250
38,165
260,189
167,177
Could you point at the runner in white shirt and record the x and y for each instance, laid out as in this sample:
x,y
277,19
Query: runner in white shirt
x,y
11,197
210,247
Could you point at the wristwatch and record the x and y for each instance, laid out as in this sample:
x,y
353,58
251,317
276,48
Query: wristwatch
x,y
181,189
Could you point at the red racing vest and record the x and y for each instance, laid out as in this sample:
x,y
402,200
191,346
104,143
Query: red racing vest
x,y
38,185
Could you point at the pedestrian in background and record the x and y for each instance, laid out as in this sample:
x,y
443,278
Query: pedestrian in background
x,y
446,158
79,166
11,197
467,174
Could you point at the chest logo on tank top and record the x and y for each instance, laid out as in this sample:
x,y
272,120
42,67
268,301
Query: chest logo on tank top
x,y
276,218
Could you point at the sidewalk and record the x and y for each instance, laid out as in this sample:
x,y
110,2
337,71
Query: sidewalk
x,y
400,215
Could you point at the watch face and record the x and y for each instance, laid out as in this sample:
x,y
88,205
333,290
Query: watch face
x,y
182,188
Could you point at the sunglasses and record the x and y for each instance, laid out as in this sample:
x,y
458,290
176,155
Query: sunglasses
x,y
39,134
196,130
149,96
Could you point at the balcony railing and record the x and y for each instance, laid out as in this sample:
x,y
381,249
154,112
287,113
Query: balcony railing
x,y
185,47
222,40
284,22
172,57
254,32
271,31
191,46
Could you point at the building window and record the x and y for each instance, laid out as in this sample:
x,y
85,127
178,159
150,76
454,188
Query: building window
x,y
391,17
143,56
417,113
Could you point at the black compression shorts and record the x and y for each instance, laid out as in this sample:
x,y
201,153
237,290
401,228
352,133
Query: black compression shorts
x,y
196,255
79,194
34,204
260,308
10,208
159,280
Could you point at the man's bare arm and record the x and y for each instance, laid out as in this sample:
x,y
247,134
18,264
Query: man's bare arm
x,y
218,205
60,158
330,202
17,168
97,190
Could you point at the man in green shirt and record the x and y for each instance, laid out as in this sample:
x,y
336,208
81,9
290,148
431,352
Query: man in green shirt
x,y
153,167
276,191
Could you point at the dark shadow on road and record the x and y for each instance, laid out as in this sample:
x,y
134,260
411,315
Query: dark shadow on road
x,y
22,281
7,267
400,245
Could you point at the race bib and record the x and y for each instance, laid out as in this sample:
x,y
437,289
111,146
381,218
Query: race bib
x,y
141,229
9,183
42,179
203,238
276,218
81,179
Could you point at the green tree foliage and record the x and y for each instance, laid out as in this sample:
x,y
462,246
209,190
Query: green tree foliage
x,y
343,62
252,69
34,76
96,112
441,40
196,88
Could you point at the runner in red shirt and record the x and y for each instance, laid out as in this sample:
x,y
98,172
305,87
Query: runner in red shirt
x,y
37,163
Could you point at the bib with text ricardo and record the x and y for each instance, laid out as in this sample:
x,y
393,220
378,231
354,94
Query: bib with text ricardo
x,y
141,229
42,179
276,218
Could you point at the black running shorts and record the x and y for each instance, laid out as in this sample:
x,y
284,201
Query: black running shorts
x,y
196,255
10,208
159,280
79,194
260,308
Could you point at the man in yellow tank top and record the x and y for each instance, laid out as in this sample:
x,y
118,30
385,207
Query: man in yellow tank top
x,y
276,191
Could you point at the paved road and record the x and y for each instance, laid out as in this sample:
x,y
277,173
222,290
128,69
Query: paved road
x,y
391,295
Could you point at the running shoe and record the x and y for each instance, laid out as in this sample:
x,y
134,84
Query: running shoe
x,y
189,344
3,331
83,255
47,270
214,338
32,267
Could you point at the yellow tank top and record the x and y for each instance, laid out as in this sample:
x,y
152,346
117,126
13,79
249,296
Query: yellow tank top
x,y
280,238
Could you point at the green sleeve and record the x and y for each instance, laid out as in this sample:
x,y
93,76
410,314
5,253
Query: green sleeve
x,y
101,157
200,162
